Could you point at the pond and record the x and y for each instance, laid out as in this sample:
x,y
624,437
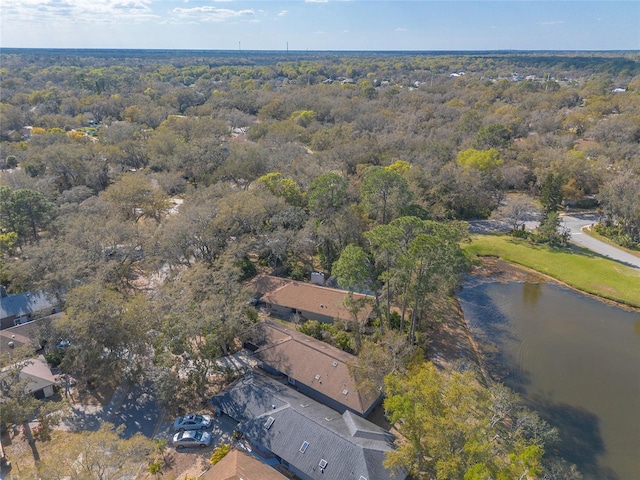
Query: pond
x,y
574,359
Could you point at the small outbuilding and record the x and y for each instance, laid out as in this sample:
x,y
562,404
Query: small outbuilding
x,y
37,376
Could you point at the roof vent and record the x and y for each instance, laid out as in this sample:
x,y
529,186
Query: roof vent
x,y
322,464
304,446
317,377
363,478
345,391
269,422
335,364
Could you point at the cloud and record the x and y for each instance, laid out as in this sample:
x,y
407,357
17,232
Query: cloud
x,y
211,14
282,13
94,12
400,29
316,1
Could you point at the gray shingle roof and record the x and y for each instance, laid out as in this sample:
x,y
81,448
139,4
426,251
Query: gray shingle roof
x,y
24,304
351,446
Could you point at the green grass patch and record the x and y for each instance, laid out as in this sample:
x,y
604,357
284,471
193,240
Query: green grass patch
x,y
577,267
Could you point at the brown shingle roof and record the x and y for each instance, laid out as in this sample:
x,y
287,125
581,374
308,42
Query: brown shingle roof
x,y
238,465
17,339
314,298
26,333
314,363
263,284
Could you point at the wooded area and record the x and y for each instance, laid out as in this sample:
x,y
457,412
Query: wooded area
x,y
142,189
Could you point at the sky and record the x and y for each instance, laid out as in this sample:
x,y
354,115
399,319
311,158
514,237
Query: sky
x,y
415,25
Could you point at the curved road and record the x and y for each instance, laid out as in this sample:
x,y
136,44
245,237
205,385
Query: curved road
x,y
575,223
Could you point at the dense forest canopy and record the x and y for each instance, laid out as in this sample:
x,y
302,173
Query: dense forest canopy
x,y
293,156
186,117
143,188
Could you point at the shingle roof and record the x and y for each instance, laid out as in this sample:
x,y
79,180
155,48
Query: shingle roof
x,y
315,363
262,284
17,339
35,372
352,447
23,304
238,465
26,333
314,298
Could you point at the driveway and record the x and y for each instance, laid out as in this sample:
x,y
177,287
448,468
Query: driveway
x,y
136,408
576,222
221,430
133,406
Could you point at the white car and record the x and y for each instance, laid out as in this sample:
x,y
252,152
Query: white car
x,y
192,421
191,439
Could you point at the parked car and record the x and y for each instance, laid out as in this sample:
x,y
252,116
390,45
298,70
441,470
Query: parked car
x,y
191,439
192,421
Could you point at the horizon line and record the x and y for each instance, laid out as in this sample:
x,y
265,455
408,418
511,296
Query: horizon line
x,y
497,50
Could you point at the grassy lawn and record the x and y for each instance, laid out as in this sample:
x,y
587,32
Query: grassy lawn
x,y
577,267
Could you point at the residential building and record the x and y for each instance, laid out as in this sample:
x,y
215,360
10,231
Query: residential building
x,y
313,302
315,368
23,307
37,376
311,440
239,465
28,333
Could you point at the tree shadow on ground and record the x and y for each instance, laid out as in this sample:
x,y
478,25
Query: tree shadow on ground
x,y
139,412
80,419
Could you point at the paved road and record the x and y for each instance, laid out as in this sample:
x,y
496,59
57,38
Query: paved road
x,y
575,223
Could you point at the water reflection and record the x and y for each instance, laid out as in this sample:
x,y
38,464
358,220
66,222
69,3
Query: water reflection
x,y
574,360
580,437
531,293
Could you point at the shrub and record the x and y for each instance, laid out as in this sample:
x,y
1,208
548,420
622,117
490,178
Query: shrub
x,y
313,328
616,234
247,267
298,273
219,452
54,358
519,233
333,334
